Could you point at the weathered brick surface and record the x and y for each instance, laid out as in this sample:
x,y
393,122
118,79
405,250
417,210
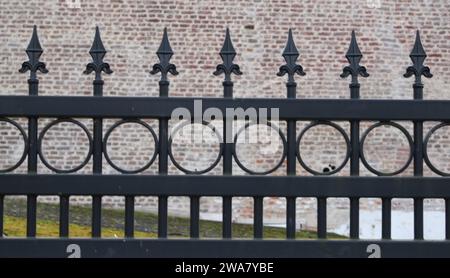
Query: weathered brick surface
x,y
132,30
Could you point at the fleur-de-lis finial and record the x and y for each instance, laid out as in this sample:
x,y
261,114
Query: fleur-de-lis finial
x,y
227,53
418,56
290,55
354,57
34,51
164,54
97,53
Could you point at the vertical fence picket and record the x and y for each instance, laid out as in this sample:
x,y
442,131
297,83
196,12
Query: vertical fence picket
x,y
290,55
164,66
1,214
418,56
195,217
227,53
386,218
129,216
258,217
34,51
64,216
354,56
97,52
321,217
447,218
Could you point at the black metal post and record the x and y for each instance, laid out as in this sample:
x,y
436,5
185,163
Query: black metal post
x,y
64,216
164,66
447,218
195,217
227,53
97,52
418,166
290,55
418,56
354,56
34,51
386,218
227,201
258,223
321,217
1,215
129,216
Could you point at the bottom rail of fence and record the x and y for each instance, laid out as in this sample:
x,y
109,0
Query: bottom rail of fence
x,y
220,248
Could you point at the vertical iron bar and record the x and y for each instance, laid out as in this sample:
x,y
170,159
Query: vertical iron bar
x,y
96,215
322,217
354,217
354,69
258,217
227,216
418,69
195,216
418,165
164,66
227,205
162,216
64,216
1,215
291,161
447,218
98,66
163,162
34,51
386,218
290,55
129,216
33,83
354,165
290,217
97,161
227,54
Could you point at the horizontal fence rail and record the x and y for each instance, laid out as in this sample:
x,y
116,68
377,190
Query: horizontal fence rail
x,y
296,109
254,186
322,185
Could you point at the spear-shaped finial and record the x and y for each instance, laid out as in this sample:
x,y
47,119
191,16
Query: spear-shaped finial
x,y
97,53
34,51
227,53
354,57
290,55
164,53
418,56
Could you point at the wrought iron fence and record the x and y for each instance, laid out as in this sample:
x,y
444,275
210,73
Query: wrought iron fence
x,y
291,186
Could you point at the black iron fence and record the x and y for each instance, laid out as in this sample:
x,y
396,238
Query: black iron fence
x,y
321,186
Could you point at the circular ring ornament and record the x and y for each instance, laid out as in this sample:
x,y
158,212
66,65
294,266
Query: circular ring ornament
x,y
178,165
108,134
347,143
41,138
408,137
25,145
425,149
283,156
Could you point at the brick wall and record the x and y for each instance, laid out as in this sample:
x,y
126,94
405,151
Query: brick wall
x,y
132,30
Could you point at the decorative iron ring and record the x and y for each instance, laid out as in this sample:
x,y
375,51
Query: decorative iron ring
x,y
411,148
181,168
116,125
41,138
25,145
340,130
283,139
425,149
